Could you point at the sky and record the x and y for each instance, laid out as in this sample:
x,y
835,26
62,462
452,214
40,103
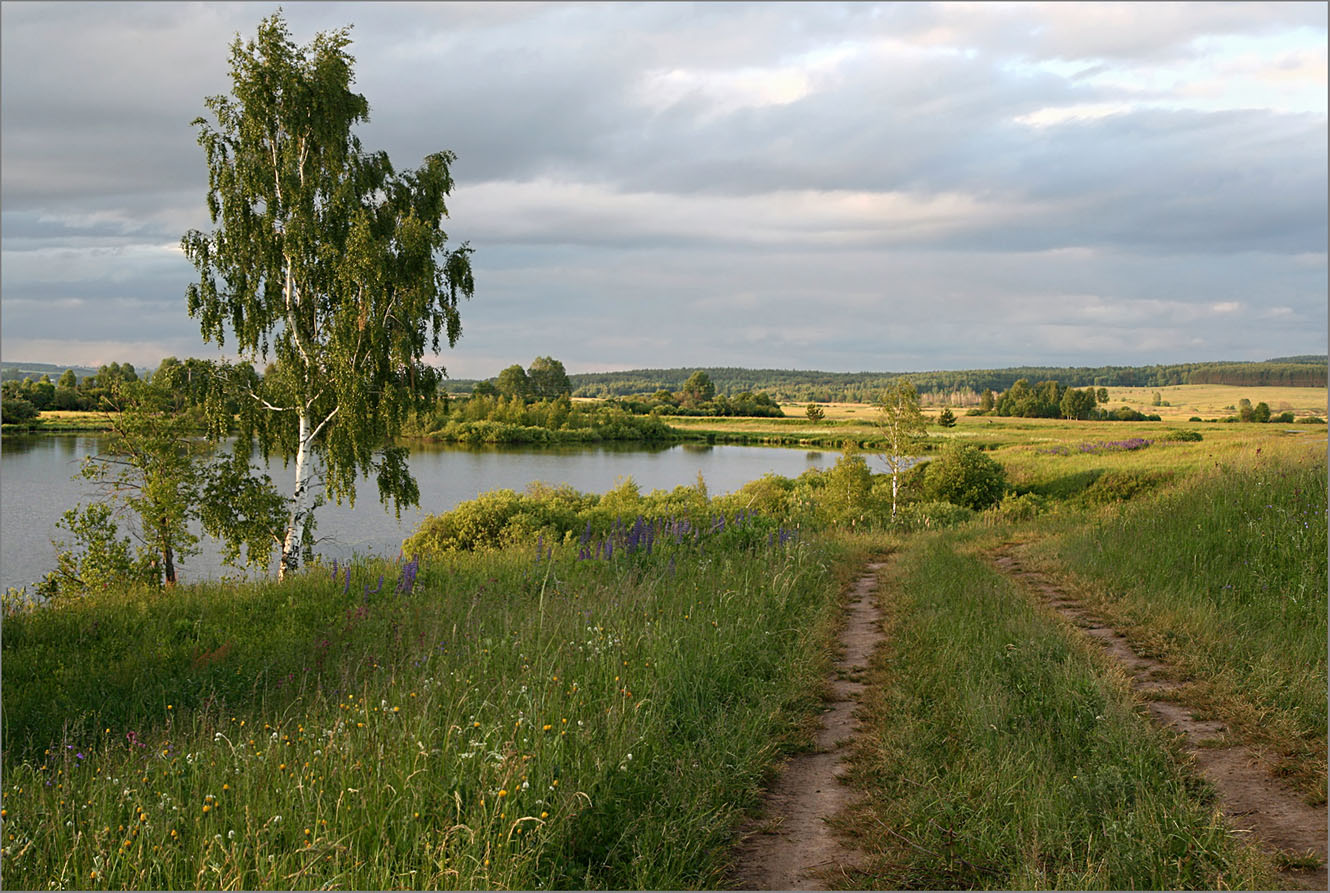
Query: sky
x,y
839,187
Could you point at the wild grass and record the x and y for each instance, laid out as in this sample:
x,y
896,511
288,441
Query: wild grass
x,y
513,720
1225,576
1002,757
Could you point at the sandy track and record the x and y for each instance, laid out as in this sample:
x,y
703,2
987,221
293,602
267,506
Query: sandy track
x,y
1254,803
791,846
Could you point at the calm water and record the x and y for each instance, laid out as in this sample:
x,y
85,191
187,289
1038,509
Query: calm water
x,y
37,486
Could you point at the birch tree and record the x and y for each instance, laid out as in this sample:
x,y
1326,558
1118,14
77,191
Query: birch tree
x,y
903,425
325,264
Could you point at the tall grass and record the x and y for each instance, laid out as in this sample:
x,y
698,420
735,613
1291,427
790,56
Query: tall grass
x,y
1001,757
1225,576
514,720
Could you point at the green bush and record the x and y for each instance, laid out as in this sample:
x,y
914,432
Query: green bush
x,y
963,475
1311,420
1022,507
16,410
1183,435
1118,486
931,515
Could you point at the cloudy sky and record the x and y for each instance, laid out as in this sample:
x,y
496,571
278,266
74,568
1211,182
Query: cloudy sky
x,y
896,186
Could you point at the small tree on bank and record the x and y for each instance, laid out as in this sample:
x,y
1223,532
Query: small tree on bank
x,y
903,426
815,413
327,259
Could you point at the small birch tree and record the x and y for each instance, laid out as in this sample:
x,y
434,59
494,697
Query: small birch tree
x,y
903,426
326,259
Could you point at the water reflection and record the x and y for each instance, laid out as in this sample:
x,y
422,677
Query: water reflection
x,y
37,486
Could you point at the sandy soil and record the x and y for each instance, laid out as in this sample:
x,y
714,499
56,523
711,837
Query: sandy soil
x,y
791,846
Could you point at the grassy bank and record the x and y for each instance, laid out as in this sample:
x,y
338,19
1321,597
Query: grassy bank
x,y
588,690
1223,575
513,720
1001,757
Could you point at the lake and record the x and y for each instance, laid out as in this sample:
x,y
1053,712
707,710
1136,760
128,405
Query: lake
x,y
37,485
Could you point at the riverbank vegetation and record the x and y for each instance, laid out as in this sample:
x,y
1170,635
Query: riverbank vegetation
x,y
587,690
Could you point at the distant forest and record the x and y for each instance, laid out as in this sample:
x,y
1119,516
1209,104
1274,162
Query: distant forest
x,y
961,388
958,387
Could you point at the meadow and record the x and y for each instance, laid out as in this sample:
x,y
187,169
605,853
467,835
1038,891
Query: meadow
x,y
590,690
517,718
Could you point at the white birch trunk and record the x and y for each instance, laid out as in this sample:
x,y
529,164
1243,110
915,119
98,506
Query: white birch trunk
x,y
299,503
895,470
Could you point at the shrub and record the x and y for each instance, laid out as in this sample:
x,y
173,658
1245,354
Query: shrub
x,y
1118,486
1183,435
16,410
1022,507
931,515
473,525
963,475
815,413
1311,420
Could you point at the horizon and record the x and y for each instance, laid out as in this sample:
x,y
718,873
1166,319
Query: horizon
x,y
1309,359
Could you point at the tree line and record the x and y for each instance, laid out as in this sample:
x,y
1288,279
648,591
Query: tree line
x,y
796,385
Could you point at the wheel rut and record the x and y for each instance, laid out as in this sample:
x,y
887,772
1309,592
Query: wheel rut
x,y
1254,803
791,846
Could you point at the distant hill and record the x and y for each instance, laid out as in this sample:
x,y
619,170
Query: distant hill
x,y
19,371
1301,358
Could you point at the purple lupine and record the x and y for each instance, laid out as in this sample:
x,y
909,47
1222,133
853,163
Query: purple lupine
x,y
347,587
408,581
334,571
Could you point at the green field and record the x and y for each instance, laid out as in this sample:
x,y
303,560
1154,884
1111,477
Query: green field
x,y
534,711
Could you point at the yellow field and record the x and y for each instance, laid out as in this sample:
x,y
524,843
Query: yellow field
x,y
1217,401
1209,401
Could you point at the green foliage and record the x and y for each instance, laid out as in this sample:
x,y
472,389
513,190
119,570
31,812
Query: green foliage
x,y
946,418
16,410
627,711
815,413
932,515
1003,758
963,475
1119,486
491,419
1229,570
697,389
325,258
902,426
548,379
512,382
802,386
153,470
1183,435
1023,507
1078,404
97,558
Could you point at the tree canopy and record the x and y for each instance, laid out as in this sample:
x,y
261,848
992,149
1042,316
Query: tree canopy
x,y
328,261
